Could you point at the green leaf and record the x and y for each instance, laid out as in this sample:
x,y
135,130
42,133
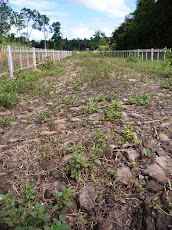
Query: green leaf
x,y
67,203
62,217
34,214
46,227
98,161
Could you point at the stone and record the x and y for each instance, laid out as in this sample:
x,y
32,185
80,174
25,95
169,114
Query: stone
x,y
75,119
50,189
124,115
47,133
124,175
87,197
135,115
163,137
153,186
165,125
118,218
131,154
95,117
67,157
156,172
60,121
132,80
162,161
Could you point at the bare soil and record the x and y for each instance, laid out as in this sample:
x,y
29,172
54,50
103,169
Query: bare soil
x,y
35,148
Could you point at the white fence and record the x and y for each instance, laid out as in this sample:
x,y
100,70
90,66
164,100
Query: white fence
x,y
144,54
16,58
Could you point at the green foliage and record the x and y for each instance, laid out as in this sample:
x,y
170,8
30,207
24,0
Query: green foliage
x,y
91,107
27,213
42,117
77,162
139,99
128,131
113,112
5,122
167,84
132,58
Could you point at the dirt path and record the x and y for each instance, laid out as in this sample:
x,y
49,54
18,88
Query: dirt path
x,y
129,151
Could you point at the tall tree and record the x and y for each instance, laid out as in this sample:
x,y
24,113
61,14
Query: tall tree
x,y
57,38
32,20
5,17
44,26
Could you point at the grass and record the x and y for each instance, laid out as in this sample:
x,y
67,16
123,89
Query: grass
x,y
23,82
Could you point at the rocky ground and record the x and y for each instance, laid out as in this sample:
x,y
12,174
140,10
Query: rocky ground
x,y
123,180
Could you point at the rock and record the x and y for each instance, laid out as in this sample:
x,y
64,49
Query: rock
x,y
156,172
30,109
112,147
135,115
95,117
60,121
163,137
67,157
153,186
131,154
124,175
165,125
124,114
47,133
50,189
75,119
162,161
87,197
68,144
118,218
13,140
161,152
156,114
49,103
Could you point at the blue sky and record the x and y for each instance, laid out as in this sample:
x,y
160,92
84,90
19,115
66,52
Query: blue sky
x,y
79,18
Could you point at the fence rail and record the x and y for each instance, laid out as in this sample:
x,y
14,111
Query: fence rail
x,y
144,54
16,58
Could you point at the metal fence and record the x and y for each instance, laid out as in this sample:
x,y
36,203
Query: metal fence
x,y
144,54
15,58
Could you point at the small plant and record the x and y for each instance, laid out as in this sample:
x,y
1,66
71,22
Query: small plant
x,y
128,131
91,107
132,58
137,141
110,96
27,213
113,173
167,84
93,157
113,112
42,117
156,204
5,122
139,99
146,152
76,163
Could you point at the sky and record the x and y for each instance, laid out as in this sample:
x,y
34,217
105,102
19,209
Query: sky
x,y
79,18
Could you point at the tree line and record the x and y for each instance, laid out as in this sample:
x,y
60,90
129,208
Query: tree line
x,y
31,19
149,26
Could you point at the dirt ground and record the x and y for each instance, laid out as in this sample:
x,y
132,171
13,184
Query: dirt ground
x,y
130,186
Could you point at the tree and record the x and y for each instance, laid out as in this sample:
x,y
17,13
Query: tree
x,y
5,17
32,20
44,26
19,23
55,29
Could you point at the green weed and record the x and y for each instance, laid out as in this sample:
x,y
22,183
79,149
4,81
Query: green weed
x,y
139,99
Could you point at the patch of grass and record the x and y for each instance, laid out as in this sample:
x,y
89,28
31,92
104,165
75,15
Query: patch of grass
x,y
167,85
26,213
113,112
91,107
5,122
139,99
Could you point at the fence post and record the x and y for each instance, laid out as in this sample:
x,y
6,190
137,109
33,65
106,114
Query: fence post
x,y
53,56
34,58
21,65
152,54
10,60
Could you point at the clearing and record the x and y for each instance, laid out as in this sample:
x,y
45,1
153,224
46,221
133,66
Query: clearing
x,y
99,126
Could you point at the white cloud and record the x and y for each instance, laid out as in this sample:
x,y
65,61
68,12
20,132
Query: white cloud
x,y
31,4
81,31
111,8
